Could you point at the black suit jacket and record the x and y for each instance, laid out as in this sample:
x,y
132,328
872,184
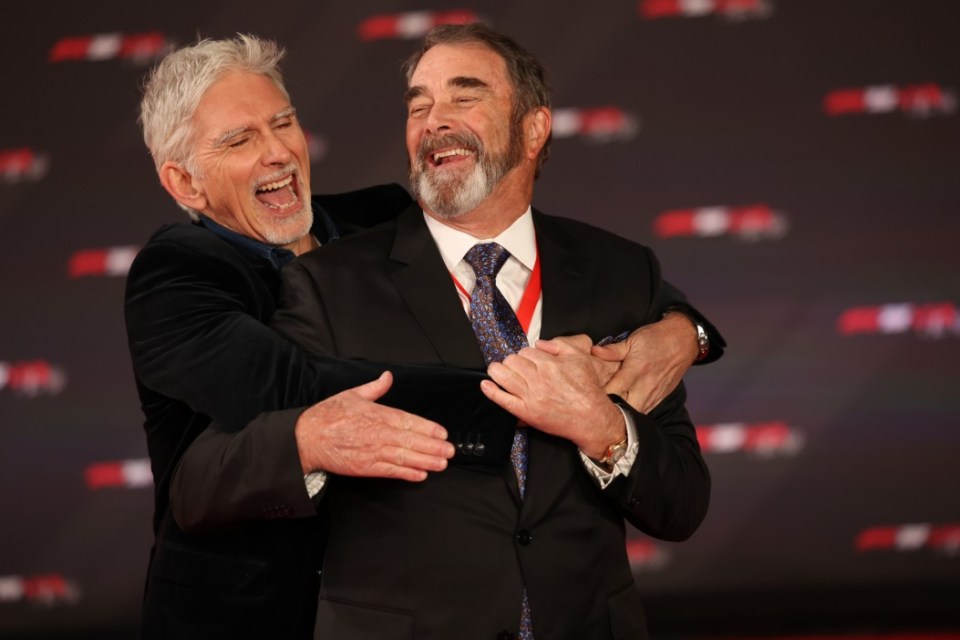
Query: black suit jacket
x,y
449,557
196,307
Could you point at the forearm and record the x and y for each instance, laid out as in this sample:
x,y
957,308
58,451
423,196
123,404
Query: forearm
x,y
669,298
667,492
254,473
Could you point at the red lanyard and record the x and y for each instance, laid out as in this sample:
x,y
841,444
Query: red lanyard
x,y
528,303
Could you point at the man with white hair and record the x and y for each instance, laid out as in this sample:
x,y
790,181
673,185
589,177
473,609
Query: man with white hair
x,y
229,149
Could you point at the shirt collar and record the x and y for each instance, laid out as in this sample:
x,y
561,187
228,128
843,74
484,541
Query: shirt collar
x,y
276,256
519,239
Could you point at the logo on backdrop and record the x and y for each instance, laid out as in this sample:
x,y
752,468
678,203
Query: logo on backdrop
x,y
944,538
45,590
32,378
317,146
22,165
414,24
935,320
763,439
122,474
601,124
752,223
141,48
734,10
921,100
646,555
112,261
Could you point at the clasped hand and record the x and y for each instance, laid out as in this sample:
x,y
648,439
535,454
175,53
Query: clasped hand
x,y
556,388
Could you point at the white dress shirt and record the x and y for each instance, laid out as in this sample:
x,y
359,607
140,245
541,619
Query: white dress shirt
x,y
520,240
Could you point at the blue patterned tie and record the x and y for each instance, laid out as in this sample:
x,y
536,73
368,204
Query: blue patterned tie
x,y
499,334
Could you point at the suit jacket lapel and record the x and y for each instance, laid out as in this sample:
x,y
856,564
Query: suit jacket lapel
x,y
567,294
567,289
425,286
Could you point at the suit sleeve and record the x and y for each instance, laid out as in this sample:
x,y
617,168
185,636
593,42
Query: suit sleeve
x,y
231,475
669,297
667,492
194,322
301,315
195,336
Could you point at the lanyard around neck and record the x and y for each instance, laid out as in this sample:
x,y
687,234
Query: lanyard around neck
x,y
528,303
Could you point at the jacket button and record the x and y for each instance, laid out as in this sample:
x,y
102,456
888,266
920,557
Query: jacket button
x,y
524,537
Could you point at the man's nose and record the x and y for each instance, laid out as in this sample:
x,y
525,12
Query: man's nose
x,y
440,118
276,150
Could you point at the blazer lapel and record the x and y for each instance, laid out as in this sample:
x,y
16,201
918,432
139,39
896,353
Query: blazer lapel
x,y
567,294
426,287
567,289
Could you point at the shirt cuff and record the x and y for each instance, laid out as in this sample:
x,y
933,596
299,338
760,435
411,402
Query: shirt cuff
x,y
622,467
315,482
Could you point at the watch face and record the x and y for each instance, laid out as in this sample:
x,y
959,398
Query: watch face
x,y
703,343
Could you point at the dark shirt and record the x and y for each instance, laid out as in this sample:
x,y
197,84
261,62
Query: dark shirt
x,y
278,257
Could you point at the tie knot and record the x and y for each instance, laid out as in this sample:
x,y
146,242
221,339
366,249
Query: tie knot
x,y
486,259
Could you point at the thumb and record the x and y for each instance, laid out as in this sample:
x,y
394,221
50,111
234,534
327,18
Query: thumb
x,y
615,352
374,390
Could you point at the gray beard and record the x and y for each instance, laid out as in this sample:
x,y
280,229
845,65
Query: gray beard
x,y
453,194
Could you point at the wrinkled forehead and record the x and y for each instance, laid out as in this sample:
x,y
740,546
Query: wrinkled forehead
x,y
451,64
239,100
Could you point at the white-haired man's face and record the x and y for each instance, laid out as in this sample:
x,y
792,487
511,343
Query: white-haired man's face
x,y
251,160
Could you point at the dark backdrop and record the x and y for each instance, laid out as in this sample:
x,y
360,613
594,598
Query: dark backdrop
x,y
793,163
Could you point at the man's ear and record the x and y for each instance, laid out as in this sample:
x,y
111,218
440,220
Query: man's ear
x,y
180,184
538,123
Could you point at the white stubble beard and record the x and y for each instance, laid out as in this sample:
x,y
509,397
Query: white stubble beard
x,y
284,231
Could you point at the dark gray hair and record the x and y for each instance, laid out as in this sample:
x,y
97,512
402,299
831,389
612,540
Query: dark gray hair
x,y
528,76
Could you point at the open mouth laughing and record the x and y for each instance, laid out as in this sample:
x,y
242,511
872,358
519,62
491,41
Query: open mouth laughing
x,y
450,156
280,194
449,150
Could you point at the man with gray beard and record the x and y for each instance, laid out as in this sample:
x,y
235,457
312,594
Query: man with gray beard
x,y
523,536
238,547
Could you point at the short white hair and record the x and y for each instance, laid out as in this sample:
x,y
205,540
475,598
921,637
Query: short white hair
x,y
174,88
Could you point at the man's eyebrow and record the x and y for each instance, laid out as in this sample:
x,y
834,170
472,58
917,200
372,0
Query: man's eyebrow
x,y
225,137
413,92
468,82
289,112
465,82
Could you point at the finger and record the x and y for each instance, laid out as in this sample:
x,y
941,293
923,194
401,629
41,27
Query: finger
x,y
550,346
403,421
525,361
374,390
400,429
509,402
620,384
605,370
566,345
425,445
408,459
615,352
506,377
393,472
